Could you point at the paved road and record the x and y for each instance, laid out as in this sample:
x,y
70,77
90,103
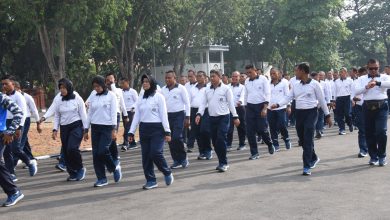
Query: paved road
x,y
341,187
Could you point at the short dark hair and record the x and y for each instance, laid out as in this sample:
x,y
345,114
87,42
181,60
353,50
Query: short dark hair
x,y
191,71
125,79
305,67
387,66
201,72
275,69
362,70
171,71
313,74
9,77
110,73
250,66
354,69
372,61
216,72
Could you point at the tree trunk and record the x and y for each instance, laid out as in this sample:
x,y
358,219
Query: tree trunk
x,y
387,45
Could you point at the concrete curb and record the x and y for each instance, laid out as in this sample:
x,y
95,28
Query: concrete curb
x,y
44,157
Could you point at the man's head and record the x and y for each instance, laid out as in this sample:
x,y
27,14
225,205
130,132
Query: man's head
x,y
373,67
251,71
215,77
329,75
335,74
275,74
183,80
201,77
321,75
125,83
314,75
191,76
8,83
353,73
225,79
302,70
170,78
243,77
343,73
235,77
110,78
387,69
362,71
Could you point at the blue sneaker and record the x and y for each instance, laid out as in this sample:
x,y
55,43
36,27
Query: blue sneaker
x,y
373,162
185,163
61,167
118,173
288,145
241,147
13,178
315,163
176,165
80,175
382,162
72,177
149,185
254,157
13,199
33,167
277,148
306,172
169,179
222,168
101,182
209,155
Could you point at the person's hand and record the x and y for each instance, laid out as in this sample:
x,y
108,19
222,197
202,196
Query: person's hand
x,y
42,120
329,121
39,129
168,138
236,122
113,135
85,136
187,123
371,84
288,110
18,133
273,106
7,138
197,120
238,104
126,120
130,138
353,103
264,113
54,135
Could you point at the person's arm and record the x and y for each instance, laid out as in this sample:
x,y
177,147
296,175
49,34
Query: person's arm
x,y
203,103
16,111
231,104
134,96
113,109
122,105
186,100
321,99
57,118
385,83
136,119
242,96
31,106
267,91
287,99
82,111
164,115
359,87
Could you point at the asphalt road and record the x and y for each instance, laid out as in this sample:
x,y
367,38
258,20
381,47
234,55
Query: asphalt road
x,y
341,187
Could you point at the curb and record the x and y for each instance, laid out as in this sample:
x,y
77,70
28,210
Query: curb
x,y
44,157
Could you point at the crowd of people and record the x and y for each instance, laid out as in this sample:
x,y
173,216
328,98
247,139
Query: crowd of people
x,y
202,108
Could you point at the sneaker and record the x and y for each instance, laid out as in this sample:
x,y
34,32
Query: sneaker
x,y
259,139
288,145
277,148
176,165
318,135
350,128
33,167
61,167
185,164
254,157
13,199
101,182
80,175
13,178
362,154
169,179
315,163
306,172
149,185
202,157
72,177
222,168
271,149
373,162
241,147
124,148
382,162
342,133
209,156
117,173
229,148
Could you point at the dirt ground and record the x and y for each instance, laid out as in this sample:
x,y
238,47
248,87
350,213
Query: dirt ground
x,y
43,144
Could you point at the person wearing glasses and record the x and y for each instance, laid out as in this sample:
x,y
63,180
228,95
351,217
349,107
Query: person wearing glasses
x,y
375,110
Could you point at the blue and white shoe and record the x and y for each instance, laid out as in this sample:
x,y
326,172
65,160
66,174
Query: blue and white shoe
x,y
117,173
185,163
169,179
13,199
306,172
72,177
315,163
101,182
176,165
81,174
33,167
61,167
149,185
373,162
254,157
288,145
222,168
13,178
382,162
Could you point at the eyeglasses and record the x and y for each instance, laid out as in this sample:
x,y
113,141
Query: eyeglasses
x,y
373,68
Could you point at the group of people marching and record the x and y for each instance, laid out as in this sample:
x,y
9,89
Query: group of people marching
x,y
205,109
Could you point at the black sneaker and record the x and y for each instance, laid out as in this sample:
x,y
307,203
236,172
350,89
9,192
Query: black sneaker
x,y
350,128
362,155
254,157
222,168
124,148
201,157
241,147
271,149
318,135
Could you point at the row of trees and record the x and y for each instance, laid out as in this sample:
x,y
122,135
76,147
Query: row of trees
x,y
45,40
